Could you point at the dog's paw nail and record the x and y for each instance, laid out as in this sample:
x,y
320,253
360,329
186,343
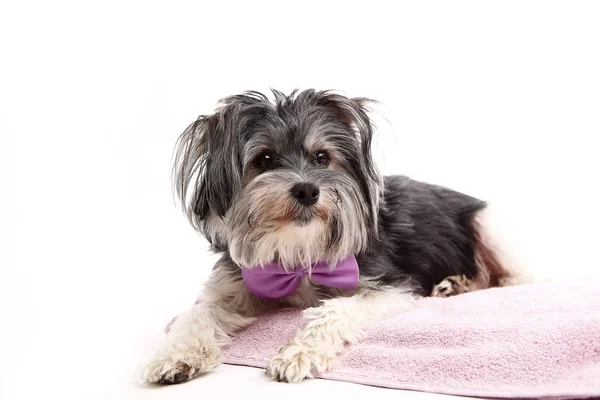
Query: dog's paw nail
x,y
167,372
168,379
180,377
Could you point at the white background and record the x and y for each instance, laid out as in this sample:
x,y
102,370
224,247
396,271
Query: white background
x,y
500,100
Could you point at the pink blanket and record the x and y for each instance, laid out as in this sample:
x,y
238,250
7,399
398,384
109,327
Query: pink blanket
x,y
538,340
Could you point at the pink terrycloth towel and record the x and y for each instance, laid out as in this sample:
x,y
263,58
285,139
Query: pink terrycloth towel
x,y
537,340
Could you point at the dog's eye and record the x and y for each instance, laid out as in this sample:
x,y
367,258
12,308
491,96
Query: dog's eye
x,y
265,161
321,158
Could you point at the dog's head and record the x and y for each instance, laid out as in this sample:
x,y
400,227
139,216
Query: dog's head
x,y
290,180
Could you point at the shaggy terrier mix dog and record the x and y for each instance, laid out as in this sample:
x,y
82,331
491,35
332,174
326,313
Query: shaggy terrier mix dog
x,y
287,191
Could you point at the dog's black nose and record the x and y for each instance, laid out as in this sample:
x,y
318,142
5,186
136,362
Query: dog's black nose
x,y
305,193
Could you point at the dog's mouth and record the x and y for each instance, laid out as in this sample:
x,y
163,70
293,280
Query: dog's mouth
x,y
279,215
305,216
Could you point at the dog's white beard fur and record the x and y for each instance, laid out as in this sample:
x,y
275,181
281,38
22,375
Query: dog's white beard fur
x,y
292,244
295,245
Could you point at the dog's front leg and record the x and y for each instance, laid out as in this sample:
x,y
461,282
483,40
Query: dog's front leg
x,y
195,339
338,321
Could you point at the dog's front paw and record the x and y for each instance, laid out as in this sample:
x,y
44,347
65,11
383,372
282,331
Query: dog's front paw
x,y
167,371
169,368
297,361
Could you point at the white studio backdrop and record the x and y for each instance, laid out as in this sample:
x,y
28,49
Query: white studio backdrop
x,y
497,99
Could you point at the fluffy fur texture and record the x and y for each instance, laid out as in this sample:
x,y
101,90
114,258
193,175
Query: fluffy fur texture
x,y
234,173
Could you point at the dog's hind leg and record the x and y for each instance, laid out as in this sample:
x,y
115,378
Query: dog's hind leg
x,y
453,285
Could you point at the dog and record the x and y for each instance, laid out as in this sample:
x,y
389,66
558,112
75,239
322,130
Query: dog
x,y
286,189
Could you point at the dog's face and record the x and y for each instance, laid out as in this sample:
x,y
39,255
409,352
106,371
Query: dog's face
x,y
291,180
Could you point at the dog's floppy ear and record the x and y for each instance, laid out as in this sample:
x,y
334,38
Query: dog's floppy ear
x,y
207,171
353,112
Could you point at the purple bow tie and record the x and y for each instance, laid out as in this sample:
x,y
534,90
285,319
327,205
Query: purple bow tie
x,y
273,282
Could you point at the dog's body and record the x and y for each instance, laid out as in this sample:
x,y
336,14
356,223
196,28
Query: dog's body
x,y
292,181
